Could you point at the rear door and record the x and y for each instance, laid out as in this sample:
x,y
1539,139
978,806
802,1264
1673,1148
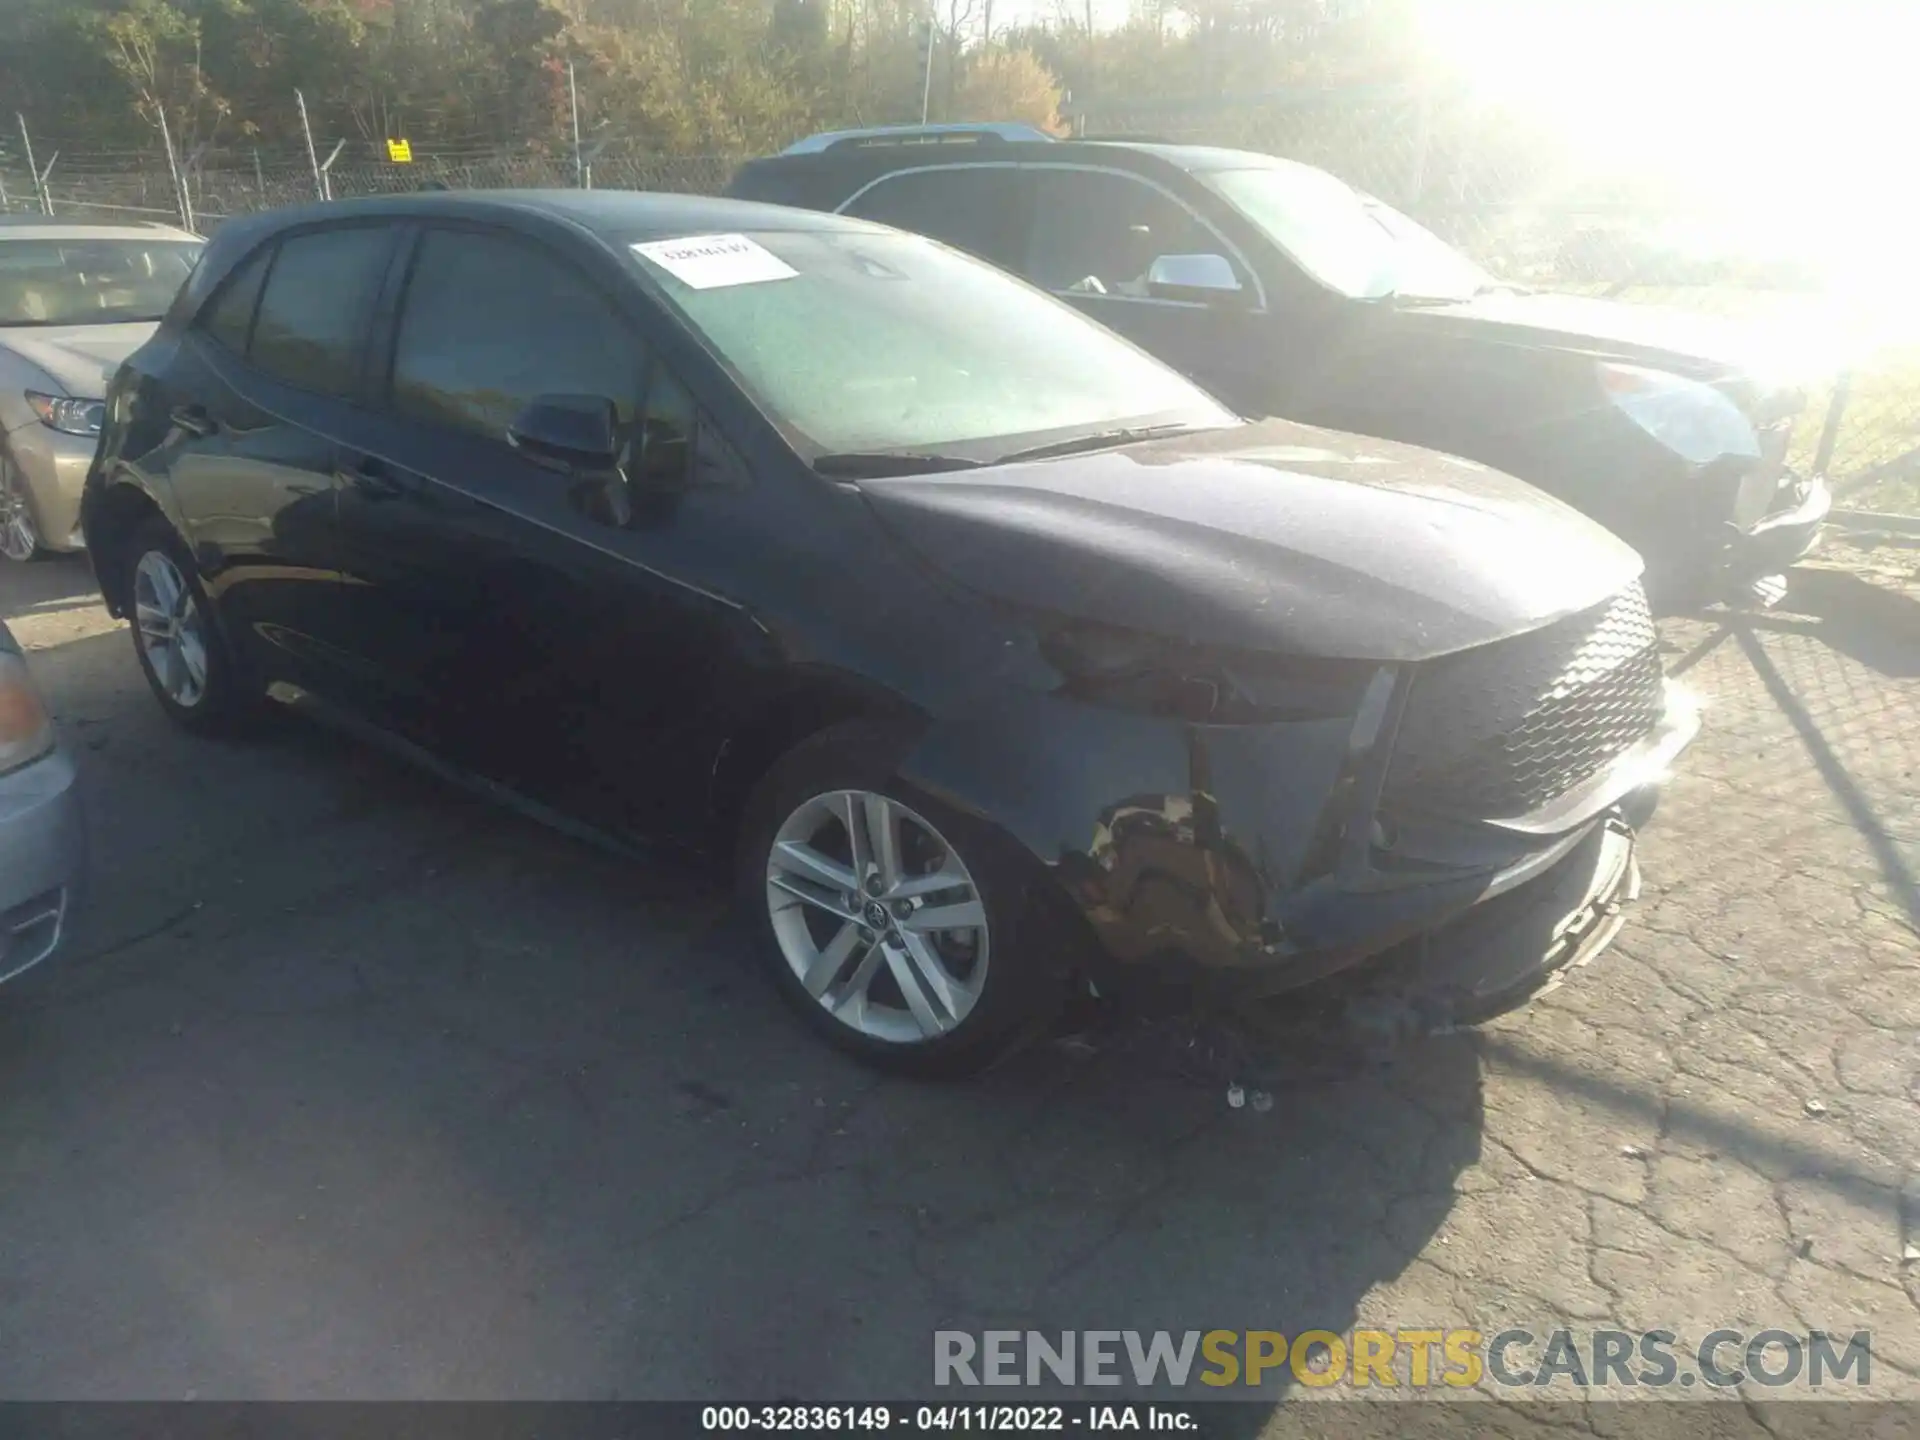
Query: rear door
x,y
259,396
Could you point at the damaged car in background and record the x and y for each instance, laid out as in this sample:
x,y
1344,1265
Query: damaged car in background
x,y
1000,660
1285,291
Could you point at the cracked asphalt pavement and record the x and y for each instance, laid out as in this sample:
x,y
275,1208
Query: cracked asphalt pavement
x,y
352,1086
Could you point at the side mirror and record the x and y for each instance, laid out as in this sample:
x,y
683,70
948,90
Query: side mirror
x,y
1205,279
580,432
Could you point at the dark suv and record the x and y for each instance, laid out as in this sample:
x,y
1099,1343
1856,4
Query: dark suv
x,y
1285,291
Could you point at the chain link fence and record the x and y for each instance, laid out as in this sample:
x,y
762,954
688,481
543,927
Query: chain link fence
x,y
1481,178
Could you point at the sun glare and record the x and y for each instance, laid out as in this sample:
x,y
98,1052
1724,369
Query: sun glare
x,y
1783,128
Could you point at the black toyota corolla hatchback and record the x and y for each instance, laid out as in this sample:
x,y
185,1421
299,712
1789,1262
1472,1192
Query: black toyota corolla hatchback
x,y
1001,658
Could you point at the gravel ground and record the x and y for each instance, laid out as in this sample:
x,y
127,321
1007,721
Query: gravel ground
x,y
354,1087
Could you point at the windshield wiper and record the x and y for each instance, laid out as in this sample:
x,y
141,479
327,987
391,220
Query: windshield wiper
x,y
1100,440
877,464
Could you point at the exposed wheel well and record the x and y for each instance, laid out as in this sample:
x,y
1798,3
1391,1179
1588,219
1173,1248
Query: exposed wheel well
x,y
802,712
119,511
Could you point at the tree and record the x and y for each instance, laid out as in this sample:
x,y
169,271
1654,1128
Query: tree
x,y
999,84
155,48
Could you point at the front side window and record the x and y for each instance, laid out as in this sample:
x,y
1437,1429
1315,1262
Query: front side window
x,y
491,324
973,209
1099,233
309,326
91,282
864,340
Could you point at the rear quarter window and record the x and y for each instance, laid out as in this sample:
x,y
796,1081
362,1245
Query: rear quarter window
x,y
227,318
309,326
975,209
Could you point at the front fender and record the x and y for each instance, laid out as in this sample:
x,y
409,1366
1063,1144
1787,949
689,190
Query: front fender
x,y
1172,839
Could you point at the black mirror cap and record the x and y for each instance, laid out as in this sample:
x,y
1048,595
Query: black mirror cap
x,y
579,431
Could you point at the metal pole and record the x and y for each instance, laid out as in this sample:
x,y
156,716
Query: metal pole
x,y
259,175
181,203
313,158
39,186
1830,433
926,87
326,169
579,161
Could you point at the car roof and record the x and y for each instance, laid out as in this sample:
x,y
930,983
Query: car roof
x,y
1195,157
59,227
623,215
882,156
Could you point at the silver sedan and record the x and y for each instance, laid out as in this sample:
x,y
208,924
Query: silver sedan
x,y
75,300
42,838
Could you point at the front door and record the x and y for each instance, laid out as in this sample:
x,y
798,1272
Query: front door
x,y
501,598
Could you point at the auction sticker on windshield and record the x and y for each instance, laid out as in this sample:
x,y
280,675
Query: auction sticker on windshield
x,y
711,262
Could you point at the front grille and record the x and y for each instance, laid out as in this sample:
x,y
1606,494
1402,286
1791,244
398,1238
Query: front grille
x,y
1510,727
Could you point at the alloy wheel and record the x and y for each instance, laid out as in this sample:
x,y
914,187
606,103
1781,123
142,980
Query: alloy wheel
x,y
878,916
171,631
19,538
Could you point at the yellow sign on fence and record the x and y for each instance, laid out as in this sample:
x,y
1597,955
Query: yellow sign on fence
x,y
400,152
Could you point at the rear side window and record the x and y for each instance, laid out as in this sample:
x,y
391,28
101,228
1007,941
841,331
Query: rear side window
x,y
1100,232
491,323
308,329
976,210
229,317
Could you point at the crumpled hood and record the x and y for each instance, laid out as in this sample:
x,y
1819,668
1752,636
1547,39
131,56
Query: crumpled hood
x,y
1275,537
1703,347
81,359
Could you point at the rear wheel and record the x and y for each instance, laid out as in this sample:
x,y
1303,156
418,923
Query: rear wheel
x,y
176,637
909,934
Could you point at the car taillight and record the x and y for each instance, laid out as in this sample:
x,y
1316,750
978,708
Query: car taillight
x,y
25,731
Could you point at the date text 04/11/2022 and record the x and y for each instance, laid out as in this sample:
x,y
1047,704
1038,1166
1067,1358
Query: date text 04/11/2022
x,y
943,1418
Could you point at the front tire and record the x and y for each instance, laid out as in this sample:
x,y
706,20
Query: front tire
x,y
19,531
914,937
177,636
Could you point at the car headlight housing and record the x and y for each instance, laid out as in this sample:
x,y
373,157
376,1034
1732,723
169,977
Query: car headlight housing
x,y
1145,674
26,733
68,414
1694,421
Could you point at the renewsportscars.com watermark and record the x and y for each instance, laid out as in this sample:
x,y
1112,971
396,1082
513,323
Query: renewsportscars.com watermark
x,y
1223,1360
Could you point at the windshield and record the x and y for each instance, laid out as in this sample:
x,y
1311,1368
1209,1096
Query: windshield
x,y
1346,240
863,341
90,282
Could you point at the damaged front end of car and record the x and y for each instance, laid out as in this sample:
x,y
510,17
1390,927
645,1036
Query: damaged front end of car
x,y
1280,703
1453,833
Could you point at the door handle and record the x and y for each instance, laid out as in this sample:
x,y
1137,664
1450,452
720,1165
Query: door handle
x,y
195,420
373,479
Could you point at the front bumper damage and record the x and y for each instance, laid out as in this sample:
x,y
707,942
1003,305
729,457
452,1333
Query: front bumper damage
x,y
1504,951
1784,535
1245,876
